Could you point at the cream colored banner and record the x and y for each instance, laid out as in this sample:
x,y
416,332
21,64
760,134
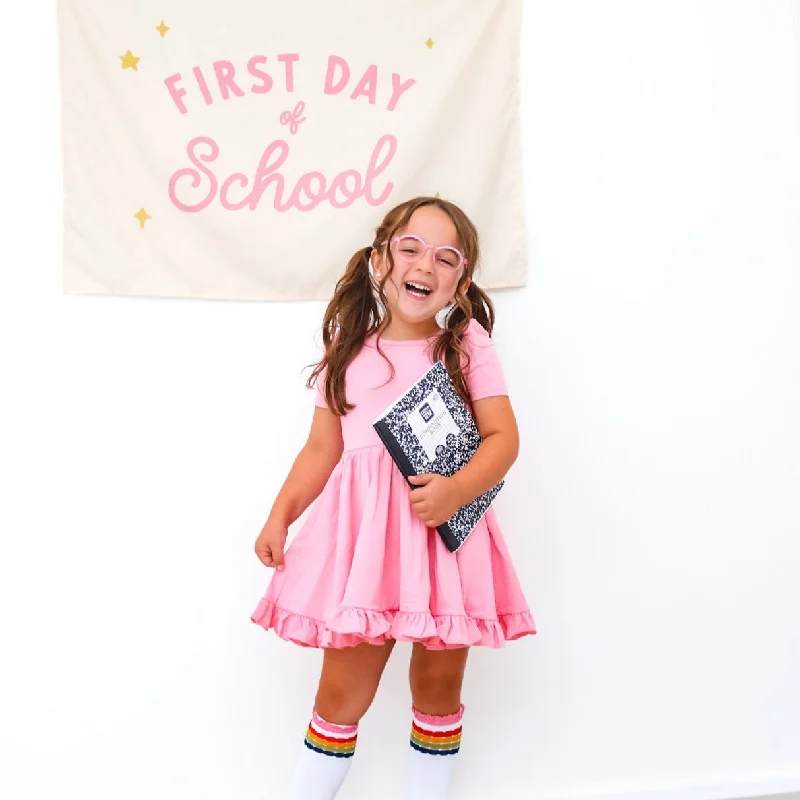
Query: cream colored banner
x,y
245,149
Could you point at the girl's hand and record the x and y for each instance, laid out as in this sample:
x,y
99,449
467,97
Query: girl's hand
x,y
269,544
436,499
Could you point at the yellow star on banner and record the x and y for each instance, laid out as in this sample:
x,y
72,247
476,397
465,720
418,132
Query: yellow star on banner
x,y
142,216
429,43
162,29
130,61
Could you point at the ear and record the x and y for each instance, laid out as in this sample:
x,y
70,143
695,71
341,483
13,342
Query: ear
x,y
467,283
376,263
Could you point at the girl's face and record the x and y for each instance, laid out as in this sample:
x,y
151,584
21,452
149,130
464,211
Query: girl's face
x,y
424,280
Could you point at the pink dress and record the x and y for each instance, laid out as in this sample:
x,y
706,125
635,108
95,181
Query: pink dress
x,y
364,568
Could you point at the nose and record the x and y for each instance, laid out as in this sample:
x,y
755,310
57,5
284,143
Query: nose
x,y
428,258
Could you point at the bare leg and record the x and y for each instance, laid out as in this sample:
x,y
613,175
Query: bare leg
x,y
347,686
349,680
436,677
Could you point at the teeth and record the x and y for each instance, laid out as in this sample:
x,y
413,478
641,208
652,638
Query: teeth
x,y
418,286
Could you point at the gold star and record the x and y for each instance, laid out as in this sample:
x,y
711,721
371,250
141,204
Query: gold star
x,y
429,43
162,29
142,216
130,61
437,195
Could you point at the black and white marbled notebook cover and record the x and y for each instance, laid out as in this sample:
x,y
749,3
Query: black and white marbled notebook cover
x,y
430,429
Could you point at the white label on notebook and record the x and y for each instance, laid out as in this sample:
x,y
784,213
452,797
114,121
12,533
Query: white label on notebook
x,y
432,423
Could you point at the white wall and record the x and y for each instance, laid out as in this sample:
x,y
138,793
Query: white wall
x,y
653,515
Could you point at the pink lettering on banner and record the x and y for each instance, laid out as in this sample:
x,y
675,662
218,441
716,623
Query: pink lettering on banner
x,y
175,93
311,189
333,63
372,84
267,173
196,174
201,82
294,117
289,59
368,85
266,79
225,72
339,184
313,184
230,205
398,90
377,164
195,187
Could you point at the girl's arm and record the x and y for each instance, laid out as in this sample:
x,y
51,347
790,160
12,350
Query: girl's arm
x,y
306,480
497,424
437,498
311,469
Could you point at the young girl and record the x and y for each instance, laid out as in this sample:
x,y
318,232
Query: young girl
x,y
368,569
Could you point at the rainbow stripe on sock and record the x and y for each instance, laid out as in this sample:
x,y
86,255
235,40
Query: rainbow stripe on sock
x,y
330,739
437,736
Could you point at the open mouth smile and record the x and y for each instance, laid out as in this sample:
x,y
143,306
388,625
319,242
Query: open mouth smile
x,y
418,290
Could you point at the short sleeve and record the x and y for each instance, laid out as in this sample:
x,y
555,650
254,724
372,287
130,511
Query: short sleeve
x,y
484,376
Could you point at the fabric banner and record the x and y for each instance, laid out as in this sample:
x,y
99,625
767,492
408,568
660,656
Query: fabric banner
x,y
245,150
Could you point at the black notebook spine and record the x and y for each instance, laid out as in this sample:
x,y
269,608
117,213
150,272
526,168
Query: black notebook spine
x,y
450,541
404,465
396,452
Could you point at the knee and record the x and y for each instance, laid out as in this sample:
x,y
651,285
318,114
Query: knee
x,y
343,703
435,690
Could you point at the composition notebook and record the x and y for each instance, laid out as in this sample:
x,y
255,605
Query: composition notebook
x,y
430,429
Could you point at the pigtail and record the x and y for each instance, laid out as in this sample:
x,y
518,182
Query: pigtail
x,y
475,305
471,304
351,316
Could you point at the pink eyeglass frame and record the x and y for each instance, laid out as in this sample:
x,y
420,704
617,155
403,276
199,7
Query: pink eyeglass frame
x,y
435,247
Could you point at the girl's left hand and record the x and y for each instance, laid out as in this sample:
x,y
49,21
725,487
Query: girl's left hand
x,y
436,499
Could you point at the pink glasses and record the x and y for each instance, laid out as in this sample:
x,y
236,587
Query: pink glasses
x,y
412,248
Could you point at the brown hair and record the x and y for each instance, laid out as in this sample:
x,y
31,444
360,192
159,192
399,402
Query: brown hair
x,y
358,308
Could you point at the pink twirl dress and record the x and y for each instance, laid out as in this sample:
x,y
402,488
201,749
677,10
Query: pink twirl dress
x,y
364,568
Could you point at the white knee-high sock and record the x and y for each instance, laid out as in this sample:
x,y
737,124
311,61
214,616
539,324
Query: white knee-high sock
x,y
325,760
434,744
